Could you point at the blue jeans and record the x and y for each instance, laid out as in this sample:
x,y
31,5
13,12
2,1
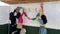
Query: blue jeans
x,y
42,30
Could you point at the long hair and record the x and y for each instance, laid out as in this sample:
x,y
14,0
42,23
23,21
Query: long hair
x,y
18,14
43,17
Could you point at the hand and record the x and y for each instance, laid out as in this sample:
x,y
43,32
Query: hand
x,y
29,18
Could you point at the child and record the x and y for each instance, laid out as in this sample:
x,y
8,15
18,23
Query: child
x,y
43,21
20,19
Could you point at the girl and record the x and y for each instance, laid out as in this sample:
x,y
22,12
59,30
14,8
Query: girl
x,y
20,19
43,21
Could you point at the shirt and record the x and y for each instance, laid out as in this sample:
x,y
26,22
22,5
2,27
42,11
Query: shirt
x,y
20,19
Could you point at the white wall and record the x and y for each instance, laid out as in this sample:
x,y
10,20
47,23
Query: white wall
x,y
52,11
4,15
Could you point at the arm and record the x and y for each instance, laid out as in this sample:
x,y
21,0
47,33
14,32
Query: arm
x,y
24,13
10,16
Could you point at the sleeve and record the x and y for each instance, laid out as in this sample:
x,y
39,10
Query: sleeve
x,y
24,13
38,15
33,18
10,16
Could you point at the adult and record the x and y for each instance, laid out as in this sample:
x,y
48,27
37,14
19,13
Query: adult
x,y
20,18
12,18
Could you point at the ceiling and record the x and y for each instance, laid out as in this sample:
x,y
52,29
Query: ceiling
x,y
25,1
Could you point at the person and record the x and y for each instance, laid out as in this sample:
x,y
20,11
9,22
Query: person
x,y
20,20
43,21
41,18
12,18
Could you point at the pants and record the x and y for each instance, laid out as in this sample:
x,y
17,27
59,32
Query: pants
x,y
13,22
12,29
17,31
42,30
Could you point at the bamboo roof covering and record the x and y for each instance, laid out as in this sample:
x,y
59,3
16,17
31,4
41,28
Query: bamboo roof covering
x,y
25,1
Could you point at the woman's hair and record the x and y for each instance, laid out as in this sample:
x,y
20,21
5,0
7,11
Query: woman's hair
x,y
18,14
43,17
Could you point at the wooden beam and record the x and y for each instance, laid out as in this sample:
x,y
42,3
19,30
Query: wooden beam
x,y
25,1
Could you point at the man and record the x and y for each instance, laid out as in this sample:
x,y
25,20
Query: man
x,y
12,18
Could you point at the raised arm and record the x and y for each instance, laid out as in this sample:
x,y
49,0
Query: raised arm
x,y
24,13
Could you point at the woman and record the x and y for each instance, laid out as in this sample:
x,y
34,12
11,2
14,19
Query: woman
x,y
20,19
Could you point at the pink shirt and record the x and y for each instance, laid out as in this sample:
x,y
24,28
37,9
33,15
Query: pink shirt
x,y
20,19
